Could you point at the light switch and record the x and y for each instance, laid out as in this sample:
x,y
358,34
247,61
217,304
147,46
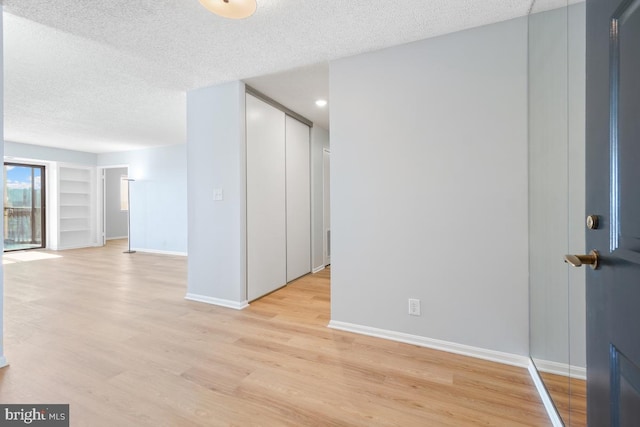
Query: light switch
x,y
217,194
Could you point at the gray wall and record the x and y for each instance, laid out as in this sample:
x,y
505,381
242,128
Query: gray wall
x,y
577,189
319,141
556,185
429,194
158,196
115,219
216,159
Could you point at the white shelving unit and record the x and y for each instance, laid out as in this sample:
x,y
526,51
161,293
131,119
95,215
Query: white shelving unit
x,y
76,207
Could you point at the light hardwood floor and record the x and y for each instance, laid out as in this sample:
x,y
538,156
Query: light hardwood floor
x,y
110,334
569,396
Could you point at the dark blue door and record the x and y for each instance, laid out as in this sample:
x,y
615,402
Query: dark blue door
x,y
613,194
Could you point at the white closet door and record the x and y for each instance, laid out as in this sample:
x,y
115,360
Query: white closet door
x,y
298,200
326,194
266,203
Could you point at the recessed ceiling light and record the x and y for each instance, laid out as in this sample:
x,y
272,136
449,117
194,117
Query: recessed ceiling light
x,y
321,102
233,9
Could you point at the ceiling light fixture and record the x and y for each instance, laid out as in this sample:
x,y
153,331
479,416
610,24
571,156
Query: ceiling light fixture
x,y
233,9
321,102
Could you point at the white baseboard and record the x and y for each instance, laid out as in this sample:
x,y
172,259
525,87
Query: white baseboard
x,y
563,369
217,301
3,362
317,269
544,395
65,248
116,238
465,350
159,252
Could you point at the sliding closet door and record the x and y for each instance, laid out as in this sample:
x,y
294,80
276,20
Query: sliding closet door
x,y
266,203
298,200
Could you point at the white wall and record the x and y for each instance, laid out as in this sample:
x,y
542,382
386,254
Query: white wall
x,y
217,229
429,188
49,157
319,141
115,218
158,196
48,154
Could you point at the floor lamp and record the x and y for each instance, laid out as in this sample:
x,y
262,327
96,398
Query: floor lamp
x,y
129,181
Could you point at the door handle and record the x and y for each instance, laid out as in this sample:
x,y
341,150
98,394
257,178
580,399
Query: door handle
x,y
592,259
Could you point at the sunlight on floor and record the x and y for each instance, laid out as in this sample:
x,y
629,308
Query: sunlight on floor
x,y
11,258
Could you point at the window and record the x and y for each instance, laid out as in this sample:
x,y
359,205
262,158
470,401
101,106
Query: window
x,y
24,209
124,193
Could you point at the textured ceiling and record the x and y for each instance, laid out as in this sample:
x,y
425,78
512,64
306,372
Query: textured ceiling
x,y
298,89
108,75
69,92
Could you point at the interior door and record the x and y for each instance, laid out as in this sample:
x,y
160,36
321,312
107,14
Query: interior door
x,y
613,194
298,188
266,199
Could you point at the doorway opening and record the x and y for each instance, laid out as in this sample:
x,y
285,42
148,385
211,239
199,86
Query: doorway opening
x,y
115,204
24,207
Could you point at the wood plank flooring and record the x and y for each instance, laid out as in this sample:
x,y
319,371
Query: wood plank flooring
x,y
569,396
111,334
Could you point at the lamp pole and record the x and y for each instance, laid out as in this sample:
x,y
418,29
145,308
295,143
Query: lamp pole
x,y
129,251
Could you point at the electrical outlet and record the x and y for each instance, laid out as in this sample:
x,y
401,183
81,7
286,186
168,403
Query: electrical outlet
x,y
414,307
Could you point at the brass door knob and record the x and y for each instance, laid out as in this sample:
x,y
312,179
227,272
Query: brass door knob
x,y
593,259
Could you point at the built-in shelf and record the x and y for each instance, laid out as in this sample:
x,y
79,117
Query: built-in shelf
x,y
72,173
73,180
76,213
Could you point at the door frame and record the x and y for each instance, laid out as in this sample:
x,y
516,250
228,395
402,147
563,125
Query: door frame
x,y
102,202
326,213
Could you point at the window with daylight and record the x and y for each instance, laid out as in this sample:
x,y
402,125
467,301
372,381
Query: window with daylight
x,y
124,193
24,207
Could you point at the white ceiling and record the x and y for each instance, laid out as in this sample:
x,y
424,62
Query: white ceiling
x,y
298,89
111,75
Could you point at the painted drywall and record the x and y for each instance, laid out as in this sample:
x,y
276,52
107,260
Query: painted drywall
x,y
49,157
3,360
557,186
429,188
577,187
548,186
216,159
319,141
115,217
158,196
47,154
